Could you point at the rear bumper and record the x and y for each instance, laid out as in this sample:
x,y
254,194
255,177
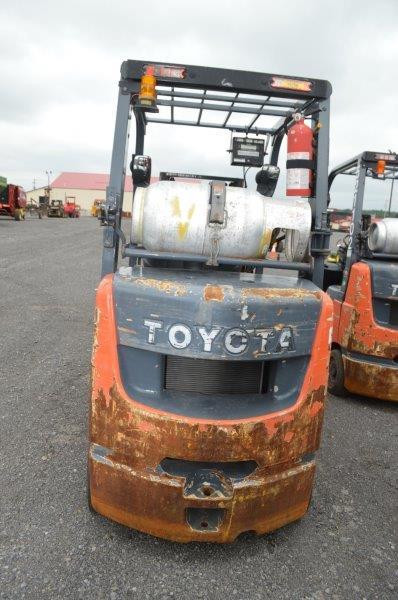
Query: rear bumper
x,y
177,509
371,378
130,443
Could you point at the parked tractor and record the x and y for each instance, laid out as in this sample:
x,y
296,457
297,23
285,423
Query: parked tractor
x,y
364,357
210,360
56,209
13,201
71,209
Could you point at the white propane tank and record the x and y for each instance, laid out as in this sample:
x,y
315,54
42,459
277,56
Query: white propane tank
x,y
383,236
172,216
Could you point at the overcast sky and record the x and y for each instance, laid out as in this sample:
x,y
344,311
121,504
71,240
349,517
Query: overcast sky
x,y
60,60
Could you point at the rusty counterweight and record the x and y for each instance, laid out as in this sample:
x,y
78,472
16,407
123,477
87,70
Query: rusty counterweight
x,y
138,454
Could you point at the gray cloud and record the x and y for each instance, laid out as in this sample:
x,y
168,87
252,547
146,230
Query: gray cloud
x,y
59,67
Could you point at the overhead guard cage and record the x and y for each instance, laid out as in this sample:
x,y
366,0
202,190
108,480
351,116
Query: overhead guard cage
x,y
247,102
361,166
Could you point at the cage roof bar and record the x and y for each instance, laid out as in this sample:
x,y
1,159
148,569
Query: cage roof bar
x,y
237,128
233,99
230,110
226,80
225,108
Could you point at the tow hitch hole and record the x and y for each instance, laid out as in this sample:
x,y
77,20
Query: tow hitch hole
x,y
207,490
202,519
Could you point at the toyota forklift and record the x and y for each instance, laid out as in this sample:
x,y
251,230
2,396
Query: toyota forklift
x,y
210,359
364,356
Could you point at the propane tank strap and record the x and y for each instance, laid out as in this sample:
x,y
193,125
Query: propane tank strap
x,y
217,202
300,163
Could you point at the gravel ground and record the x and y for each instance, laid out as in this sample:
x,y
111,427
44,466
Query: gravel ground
x,y
51,546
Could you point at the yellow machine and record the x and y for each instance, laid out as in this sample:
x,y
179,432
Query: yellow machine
x,y
96,208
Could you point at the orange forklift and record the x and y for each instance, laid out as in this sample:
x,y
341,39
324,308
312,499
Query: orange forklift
x,y
210,360
364,357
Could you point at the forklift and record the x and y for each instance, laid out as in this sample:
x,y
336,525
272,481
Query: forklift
x,y
364,290
210,359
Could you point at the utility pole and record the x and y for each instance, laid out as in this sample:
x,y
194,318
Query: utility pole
x,y
34,184
391,191
48,173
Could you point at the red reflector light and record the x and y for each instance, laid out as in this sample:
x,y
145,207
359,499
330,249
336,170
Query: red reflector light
x,y
284,83
167,71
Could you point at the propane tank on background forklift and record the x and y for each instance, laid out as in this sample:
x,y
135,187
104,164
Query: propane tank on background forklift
x,y
364,357
210,360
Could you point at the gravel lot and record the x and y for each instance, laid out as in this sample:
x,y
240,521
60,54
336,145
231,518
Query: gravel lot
x,y
51,546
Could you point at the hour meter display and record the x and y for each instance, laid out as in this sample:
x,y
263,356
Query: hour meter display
x,y
247,151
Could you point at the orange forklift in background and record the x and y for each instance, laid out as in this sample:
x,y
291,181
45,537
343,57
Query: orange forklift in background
x,y
364,357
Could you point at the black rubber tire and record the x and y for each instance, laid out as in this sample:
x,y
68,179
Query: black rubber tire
x,y
336,374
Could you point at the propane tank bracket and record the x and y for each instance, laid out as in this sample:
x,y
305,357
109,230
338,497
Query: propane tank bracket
x,y
217,202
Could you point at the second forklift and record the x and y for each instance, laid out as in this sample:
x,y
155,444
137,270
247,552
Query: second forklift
x,y
364,357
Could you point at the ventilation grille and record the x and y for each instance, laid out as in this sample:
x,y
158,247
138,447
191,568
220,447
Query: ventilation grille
x,y
214,376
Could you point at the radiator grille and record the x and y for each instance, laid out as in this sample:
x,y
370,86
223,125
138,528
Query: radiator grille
x,y
214,376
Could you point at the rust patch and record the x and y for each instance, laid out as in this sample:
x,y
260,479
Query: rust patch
x,y
371,380
288,436
163,285
356,329
213,292
276,494
126,330
279,292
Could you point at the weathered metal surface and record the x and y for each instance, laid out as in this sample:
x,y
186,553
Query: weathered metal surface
x,y
216,314
357,332
173,216
129,441
371,379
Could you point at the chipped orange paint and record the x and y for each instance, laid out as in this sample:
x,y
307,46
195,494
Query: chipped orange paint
x,y
213,292
355,330
127,485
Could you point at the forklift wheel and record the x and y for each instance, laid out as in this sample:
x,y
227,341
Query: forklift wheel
x,y
18,215
336,374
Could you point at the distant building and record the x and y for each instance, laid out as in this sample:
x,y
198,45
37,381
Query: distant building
x,y
84,188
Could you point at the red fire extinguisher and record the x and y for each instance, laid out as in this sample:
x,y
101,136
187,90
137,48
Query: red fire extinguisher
x,y
300,154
